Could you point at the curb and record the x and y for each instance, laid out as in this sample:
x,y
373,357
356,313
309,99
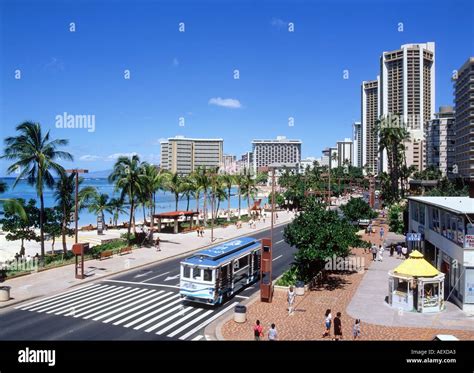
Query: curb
x,y
2,307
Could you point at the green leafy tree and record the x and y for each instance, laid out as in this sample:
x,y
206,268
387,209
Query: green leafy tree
x,y
319,234
99,204
117,206
52,224
227,182
35,155
357,209
19,228
11,203
395,218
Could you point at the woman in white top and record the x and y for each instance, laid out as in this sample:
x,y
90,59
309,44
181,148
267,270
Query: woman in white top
x,y
327,323
291,299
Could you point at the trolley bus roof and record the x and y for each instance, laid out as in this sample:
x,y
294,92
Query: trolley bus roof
x,y
221,253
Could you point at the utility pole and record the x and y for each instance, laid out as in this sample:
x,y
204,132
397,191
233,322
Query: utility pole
x,y
77,171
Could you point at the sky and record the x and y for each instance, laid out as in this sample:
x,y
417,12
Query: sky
x,y
295,59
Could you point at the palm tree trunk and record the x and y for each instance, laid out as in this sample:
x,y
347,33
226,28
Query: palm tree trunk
x,y
187,205
176,196
130,220
205,207
63,231
239,202
41,219
228,205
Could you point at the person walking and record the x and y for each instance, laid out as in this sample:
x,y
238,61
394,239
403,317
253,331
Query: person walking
x,y
327,323
356,329
399,251
157,244
272,333
404,251
382,232
374,252
257,330
337,327
291,299
369,229
381,250
392,249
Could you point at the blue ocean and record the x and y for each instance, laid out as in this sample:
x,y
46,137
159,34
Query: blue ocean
x,y
164,201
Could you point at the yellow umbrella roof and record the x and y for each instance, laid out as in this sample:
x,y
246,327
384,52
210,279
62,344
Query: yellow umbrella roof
x,y
416,266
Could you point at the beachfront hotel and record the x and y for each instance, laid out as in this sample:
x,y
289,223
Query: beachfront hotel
x,y
183,155
344,152
464,119
280,150
407,88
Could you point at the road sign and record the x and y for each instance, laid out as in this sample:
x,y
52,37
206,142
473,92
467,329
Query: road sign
x,y
413,236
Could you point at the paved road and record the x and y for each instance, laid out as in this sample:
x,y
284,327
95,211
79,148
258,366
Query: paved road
x,y
141,304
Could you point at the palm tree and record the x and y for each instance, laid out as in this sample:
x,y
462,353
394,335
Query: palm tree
x,y
227,181
65,200
116,205
152,180
11,204
219,192
126,176
249,189
204,182
195,187
175,185
35,155
187,189
99,204
239,180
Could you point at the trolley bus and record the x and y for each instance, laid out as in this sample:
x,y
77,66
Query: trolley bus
x,y
213,275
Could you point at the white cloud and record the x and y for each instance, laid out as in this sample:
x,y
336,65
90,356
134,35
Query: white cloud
x,y
279,23
230,103
175,62
89,158
113,157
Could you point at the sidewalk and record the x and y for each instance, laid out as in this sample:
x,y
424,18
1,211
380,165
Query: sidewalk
x,y
59,279
343,293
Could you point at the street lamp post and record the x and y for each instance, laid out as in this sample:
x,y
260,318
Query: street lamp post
x,y
273,204
76,212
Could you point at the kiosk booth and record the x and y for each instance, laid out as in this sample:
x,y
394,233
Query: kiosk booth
x,y
415,285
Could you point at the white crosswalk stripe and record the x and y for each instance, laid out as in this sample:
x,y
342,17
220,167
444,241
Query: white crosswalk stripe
x,y
57,296
148,322
171,326
76,298
95,300
111,304
144,309
140,300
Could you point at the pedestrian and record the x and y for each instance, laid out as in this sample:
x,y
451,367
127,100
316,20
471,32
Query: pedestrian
x,y
337,327
382,231
327,323
392,249
198,231
404,251
291,299
356,329
374,252
381,250
272,333
257,330
369,229
157,244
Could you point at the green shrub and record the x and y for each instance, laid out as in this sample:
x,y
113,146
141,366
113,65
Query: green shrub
x,y
289,277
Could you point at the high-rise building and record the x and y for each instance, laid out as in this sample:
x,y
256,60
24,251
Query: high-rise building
x,y
281,150
184,155
245,163
357,144
229,164
440,142
369,117
407,89
344,152
464,119
333,157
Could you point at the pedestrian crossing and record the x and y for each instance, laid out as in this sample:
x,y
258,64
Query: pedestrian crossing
x,y
148,310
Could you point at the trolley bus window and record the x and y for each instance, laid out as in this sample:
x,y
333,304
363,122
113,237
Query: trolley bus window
x,y
186,272
244,261
208,275
196,273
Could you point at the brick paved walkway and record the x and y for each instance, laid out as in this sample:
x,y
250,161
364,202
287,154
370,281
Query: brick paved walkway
x,y
307,322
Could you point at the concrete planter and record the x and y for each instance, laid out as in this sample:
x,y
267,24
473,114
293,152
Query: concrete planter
x,y
4,293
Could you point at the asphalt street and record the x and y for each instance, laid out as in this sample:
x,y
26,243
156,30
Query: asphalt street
x,y
142,304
